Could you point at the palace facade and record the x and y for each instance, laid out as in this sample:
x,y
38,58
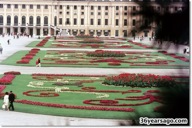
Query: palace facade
x,y
90,17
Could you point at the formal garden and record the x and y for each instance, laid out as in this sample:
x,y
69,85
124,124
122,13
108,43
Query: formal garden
x,y
88,43
114,96
98,58
94,96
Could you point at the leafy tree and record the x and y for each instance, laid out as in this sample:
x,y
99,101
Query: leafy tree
x,y
169,26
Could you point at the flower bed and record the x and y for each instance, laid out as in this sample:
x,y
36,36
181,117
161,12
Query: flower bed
x,y
112,60
2,87
12,72
28,57
42,93
74,106
43,42
101,53
139,80
114,63
79,75
88,41
7,79
92,96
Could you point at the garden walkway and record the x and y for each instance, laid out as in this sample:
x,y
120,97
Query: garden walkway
x,y
9,118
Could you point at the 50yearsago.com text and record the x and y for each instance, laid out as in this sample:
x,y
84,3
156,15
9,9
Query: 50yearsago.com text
x,y
165,121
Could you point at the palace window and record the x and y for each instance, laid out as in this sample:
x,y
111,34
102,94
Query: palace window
x,y
60,6
125,22
23,20
134,8
1,5
16,5
116,22
60,21
38,6
38,20
1,20
92,22
82,7
67,21
133,22
45,21
55,20
92,7
67,6
106,21
99,7
15,20
30,20
31,6
106,7
116,32
82,21
46,6
99,22
8,20
8,6
125,7
75,21
23,6
117,7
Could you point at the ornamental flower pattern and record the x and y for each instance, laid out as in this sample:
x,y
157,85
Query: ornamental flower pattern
x,y
139,80
103,101
7,79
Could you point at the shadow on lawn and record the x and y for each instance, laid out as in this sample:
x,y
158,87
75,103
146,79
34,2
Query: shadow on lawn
x,y
175,105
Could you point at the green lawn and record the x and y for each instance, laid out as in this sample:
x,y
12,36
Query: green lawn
x,y
71,58
19,85
75,95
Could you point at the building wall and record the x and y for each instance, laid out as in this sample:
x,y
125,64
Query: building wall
x,y
108,17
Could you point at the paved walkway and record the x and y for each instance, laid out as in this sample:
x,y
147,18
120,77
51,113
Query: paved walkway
x,y
18,119
9,118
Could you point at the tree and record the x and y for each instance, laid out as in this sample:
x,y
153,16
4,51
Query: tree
x,y
169,26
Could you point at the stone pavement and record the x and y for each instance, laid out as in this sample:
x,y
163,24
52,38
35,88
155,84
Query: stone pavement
x,y
9,118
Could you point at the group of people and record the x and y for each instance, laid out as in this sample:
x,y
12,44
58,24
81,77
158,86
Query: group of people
x,y
8,100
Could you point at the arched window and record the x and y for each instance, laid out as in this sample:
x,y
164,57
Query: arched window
x,y
15,20
23,21
55,21
31,21
45,21
38,21
8,20
1,20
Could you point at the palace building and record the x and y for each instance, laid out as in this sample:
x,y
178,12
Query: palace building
x,y
89,17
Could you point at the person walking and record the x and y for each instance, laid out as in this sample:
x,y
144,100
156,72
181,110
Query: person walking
x,y
11,100
8,41
6,100
38,63
1,49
